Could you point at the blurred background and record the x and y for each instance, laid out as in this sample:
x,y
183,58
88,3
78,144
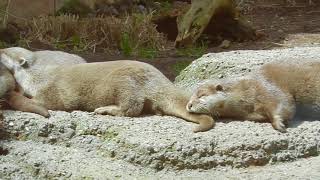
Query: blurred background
x,y
166,33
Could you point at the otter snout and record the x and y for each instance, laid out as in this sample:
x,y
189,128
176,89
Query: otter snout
x,y
191,105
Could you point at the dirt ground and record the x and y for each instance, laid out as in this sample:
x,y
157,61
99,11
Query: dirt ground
x,y
281,25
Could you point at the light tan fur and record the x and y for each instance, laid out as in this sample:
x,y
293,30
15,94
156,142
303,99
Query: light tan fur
x,y
15,100
11,93
32,67
271,94
119,88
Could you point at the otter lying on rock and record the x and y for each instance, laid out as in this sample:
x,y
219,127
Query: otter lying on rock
x,y
11,93
270,94
119,88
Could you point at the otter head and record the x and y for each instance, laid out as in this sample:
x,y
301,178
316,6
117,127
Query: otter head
x,y
16,58
207,99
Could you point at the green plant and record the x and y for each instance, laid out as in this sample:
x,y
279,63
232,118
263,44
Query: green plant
x,y
5,15
147,53
126,45
3,44
166,6
179,66
133,35
74,7
193,51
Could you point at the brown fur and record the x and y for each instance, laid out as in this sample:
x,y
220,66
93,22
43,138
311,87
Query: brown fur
x,y
271,94
119,88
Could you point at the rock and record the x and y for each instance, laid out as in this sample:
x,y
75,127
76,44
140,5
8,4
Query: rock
x,y
237,63
168,142
225,44
81,145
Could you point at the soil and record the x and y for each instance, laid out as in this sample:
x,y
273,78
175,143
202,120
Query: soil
x,y
277,24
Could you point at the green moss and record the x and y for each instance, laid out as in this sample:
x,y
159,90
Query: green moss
x,y
110,134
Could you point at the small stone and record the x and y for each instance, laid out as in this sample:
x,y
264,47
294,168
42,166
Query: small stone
x,y
225,44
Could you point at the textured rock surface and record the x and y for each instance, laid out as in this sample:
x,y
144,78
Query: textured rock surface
x,y
81,145
66,143
238,63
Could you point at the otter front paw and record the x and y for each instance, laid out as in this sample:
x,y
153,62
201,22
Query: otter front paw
x,y
205,124
278,124
109,110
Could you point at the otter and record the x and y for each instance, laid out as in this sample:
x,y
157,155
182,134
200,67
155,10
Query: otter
x,y
14,99
33,76
11,93
273,93
118,88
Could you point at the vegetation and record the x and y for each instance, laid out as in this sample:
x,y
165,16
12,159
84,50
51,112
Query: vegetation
x,y
179,66
193,51
131,35
74,7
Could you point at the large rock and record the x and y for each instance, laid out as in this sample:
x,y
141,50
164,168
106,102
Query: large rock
x,y
152,142
81,145
238,63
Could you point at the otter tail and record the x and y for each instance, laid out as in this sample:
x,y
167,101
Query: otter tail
x,y
175,105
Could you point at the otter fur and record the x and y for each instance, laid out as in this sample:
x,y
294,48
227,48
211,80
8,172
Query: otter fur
x,y
273,94
34,65
119,88
11,93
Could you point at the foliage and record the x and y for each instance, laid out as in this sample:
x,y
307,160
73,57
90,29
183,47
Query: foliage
x,y
74,7
70,32
193,51
149,53
3,44
126,45
179,66
166,6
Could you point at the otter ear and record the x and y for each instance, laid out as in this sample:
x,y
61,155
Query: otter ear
x,y
23,62
219,87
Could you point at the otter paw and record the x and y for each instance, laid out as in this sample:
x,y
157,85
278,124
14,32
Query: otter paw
x,y
197,129
205,124
46,114
279,126
108,110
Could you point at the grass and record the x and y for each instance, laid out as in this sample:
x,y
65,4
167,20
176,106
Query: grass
x,y
179,66
126,45
132,35
193,51
149,53
3,44
166,6
74,7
